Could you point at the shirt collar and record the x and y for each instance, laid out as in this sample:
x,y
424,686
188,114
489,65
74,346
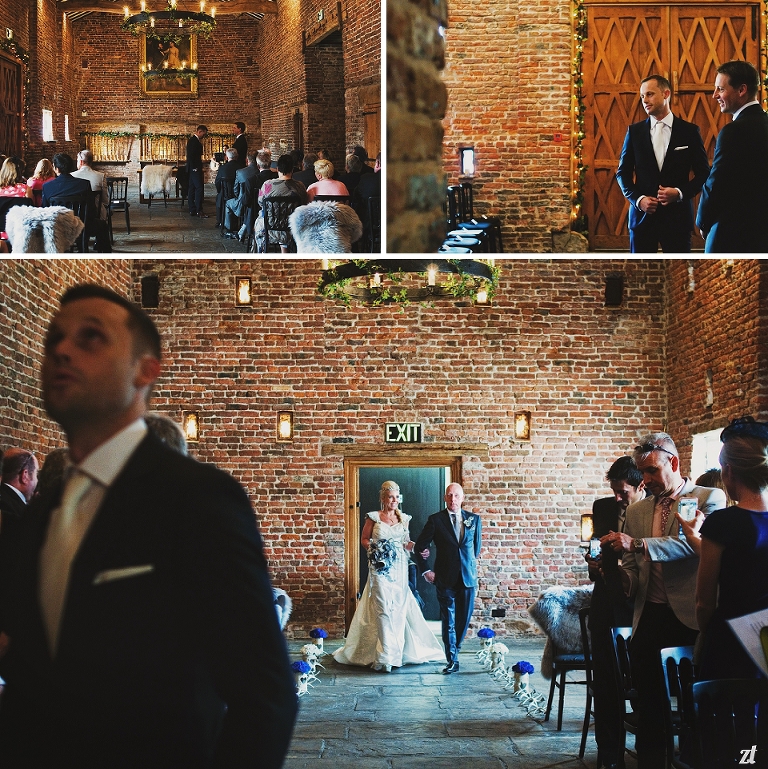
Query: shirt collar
x,y
105,463
13,488
667,120
743,107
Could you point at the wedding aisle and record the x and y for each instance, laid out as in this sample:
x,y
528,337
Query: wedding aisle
x,y
415,717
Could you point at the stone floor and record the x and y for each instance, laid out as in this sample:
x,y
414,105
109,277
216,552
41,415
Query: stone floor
x,y
417,718
157,229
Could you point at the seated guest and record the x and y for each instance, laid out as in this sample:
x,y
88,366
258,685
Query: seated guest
x,y
11,184
97,180
325,184
264,162
354,168
325,155
283,186
307,175
43,173
298,159
240,205
368,187
225,182
363,155
66,185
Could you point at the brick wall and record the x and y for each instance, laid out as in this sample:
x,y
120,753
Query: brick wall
x,y
508,81
594,379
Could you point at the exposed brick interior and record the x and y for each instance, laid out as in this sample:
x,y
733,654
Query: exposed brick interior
x,y
594,378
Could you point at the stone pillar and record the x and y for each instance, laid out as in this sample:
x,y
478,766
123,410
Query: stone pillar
x,y
416,103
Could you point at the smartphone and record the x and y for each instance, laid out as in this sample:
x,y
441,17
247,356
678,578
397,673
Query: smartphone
x,y
595,551
686,508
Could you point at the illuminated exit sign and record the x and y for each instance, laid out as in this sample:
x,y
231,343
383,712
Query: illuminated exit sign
x,y
402,432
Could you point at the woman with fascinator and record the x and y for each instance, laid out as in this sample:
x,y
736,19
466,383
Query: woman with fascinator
x,y
733,570
388,629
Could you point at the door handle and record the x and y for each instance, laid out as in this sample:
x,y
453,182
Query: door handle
x,y
674,86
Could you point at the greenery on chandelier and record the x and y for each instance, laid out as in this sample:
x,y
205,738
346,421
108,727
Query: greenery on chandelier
x,y
191,22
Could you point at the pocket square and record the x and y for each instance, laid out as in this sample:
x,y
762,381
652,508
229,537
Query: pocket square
x,y
110,575
684,147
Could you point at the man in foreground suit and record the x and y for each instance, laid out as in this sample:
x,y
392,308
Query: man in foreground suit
x,y
240,205
457,537
141,618
734,200
655,167
660,573
610,607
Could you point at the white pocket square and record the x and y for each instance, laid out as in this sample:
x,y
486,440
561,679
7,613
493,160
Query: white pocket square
x,y
110,575
684,147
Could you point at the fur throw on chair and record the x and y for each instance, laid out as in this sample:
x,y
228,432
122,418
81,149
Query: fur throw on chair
x,y
283,606
556,612
325,227
50,230
156,180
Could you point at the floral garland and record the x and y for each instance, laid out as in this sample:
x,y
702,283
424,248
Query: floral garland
x,y
169,74
382,554
578,222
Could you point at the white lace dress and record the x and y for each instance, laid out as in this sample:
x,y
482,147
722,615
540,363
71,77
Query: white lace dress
x,y
388,627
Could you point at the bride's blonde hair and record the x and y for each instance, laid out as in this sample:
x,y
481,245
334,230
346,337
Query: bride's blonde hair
x,y
388,486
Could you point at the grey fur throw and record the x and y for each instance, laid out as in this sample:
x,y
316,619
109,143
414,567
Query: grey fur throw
x,y
556,612
283,606
325,227
156,180
50,230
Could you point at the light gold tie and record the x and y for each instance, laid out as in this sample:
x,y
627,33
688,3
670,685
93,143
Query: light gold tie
x,y
658,143
58,552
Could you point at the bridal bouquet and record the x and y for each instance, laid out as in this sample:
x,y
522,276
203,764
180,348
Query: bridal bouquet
x,y
381,555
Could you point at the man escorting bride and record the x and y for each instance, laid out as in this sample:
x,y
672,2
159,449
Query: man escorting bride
x,y
388,629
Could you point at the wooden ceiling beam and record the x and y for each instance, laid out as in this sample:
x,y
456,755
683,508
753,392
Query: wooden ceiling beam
x,y
231,7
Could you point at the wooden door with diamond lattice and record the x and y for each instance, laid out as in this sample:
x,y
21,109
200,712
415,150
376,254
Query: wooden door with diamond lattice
x,y
626,43
10,106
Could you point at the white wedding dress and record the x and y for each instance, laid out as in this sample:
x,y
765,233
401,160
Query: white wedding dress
x,y
388,627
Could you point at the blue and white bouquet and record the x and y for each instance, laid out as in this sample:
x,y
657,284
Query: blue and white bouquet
x,y
382,554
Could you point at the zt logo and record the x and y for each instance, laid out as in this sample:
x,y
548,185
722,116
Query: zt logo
x,y
748,756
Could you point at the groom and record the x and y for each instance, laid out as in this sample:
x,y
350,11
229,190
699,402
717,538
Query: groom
x,y
457,536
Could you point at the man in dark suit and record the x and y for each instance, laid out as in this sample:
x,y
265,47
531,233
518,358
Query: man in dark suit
x,y
140,612
657,160
240,205
735,197
225,182
457,537
20,468
241,143
610,607
195,171
307,175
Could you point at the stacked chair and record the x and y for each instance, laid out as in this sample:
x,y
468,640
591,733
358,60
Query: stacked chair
x,y
467,233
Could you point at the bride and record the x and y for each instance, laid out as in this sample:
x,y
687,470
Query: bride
x,y
388,629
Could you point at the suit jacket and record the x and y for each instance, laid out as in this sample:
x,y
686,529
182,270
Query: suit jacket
x,y
240,205
679,563
64,185
170,654
241,145
98,181
305,177
194,153
453,559
638,173
735,197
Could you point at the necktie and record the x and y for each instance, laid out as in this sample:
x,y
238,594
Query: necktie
x,y
666,505
658,143
57,554
456,520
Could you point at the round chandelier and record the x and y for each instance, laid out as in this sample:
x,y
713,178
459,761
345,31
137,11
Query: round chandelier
x,y
157,24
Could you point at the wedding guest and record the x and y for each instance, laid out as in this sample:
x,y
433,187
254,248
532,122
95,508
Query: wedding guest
x,y
11,183
43,173
325,184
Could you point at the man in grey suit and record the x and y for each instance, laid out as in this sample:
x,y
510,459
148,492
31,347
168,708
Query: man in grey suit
x,y
659,571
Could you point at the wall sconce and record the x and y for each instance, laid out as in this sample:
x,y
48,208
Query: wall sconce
x,y
243,296
284,426
587,529
467,161
523,425
190,423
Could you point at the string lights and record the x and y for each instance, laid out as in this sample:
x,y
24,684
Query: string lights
x,y
578,113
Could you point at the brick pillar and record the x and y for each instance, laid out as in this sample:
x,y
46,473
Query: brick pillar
x,y
416,103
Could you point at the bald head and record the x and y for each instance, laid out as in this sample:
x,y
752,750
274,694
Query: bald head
x,y
454,497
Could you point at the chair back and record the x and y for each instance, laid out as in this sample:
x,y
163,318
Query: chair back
x,y
726,721
455,200
586,645
679,675
79,205
227,189
373,225
468,201
276,211
621,637
6,203
334,198
118,191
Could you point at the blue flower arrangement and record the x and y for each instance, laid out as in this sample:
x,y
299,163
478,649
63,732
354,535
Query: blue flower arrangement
x,y
301,666
318,632
485,632
381,556
522,667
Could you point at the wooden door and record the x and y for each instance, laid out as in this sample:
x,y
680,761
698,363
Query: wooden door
x,y
10,106
626,43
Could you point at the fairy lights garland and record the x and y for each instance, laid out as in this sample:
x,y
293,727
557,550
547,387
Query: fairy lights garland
x,y
14,49
578,112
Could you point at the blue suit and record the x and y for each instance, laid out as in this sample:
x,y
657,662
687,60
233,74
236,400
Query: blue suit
x,y
455,573
638,174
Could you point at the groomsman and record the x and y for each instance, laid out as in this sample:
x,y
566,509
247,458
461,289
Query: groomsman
x,y
457,537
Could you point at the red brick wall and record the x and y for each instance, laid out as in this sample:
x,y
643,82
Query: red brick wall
x,y
508,81
595,379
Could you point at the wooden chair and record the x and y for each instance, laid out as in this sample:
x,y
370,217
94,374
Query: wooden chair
x,y
372,232
118,201
276,211
587,649
226,192
6,203
345,199
679,676
562,664
489,224
79,205
621,637
726,721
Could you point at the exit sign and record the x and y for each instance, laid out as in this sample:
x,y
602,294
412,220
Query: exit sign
x,y
402,432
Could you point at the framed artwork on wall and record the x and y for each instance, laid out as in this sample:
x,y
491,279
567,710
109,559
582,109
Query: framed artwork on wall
x,y
168,65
